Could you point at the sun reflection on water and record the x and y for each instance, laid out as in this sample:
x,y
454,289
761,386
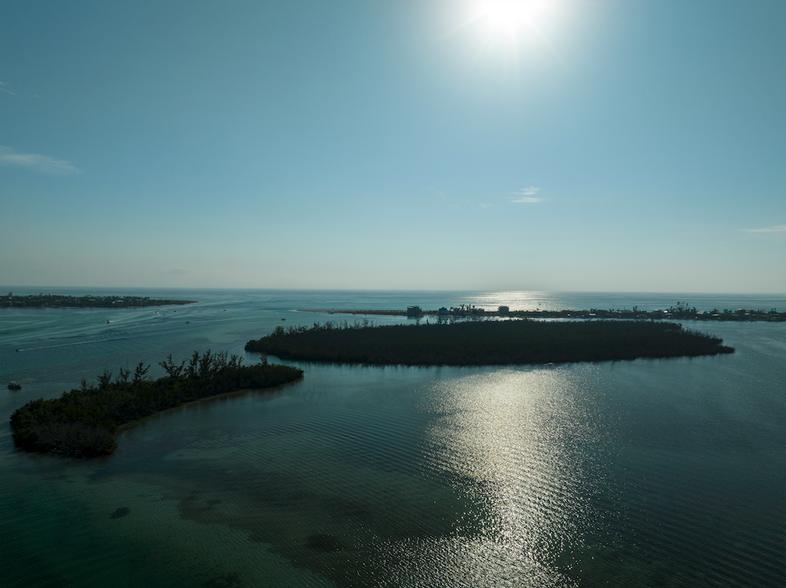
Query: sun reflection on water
x,y
519,438
515,300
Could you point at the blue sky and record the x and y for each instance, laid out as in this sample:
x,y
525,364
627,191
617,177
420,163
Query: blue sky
x,y
592,145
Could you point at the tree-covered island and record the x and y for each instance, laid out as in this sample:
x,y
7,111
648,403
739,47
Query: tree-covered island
x,y
682,311
487,342
83,422
62,301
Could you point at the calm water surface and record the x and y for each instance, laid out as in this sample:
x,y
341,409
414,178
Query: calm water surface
x,y
644,473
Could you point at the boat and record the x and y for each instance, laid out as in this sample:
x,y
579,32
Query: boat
x,y
14,386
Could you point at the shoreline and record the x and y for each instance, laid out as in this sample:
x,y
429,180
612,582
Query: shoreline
x,y
739,315
471,342
87,301
85,422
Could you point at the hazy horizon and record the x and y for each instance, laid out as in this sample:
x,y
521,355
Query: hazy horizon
x,y
562,146
23,290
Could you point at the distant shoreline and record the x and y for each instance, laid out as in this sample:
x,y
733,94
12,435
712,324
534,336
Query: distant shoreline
x,y
690,314
63,301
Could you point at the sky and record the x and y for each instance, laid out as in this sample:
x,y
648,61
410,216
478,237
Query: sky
x,y
563,145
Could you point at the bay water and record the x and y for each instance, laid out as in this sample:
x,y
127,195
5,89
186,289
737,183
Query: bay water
x,y
643,473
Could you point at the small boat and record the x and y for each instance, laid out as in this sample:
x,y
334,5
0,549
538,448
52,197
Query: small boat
x,y
14,386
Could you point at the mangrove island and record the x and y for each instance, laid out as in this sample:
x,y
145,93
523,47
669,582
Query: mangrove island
x,y
61,301
487,342
682,311
83,422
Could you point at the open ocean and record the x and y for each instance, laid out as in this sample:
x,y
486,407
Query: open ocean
x,y
651,473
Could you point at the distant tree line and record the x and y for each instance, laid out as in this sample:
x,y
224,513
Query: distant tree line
x,y
83,422
682,311
65,301
487,342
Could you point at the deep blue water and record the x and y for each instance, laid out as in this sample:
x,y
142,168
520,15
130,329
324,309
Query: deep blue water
x,y
644,473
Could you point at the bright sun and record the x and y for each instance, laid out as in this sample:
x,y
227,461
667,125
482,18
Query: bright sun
x,y
511,16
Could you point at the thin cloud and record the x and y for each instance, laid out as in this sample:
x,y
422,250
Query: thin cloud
x,y
776,229
41,164
526,196
177,271
6,90
438,192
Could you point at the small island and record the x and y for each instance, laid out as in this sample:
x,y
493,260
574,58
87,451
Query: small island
x,y
682,311
487,342
61,301
83,422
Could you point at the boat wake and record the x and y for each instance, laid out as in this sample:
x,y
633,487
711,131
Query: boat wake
x,y
70,344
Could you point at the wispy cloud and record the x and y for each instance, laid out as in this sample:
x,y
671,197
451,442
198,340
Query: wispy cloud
x,y
526,195
6,90
177,271
41,164
438,192
775,229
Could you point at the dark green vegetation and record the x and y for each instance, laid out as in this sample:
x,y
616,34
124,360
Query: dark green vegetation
x,y
487,342
60,301
83,423
682,311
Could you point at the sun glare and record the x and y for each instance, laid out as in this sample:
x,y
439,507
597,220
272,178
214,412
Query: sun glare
x,y
511,16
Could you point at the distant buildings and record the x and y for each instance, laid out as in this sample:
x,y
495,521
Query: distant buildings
x,y
681,312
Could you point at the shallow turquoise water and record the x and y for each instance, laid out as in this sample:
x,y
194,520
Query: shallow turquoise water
x,y
644,473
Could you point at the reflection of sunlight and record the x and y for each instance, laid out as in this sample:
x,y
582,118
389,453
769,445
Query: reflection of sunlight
x,y
521,438
514,300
